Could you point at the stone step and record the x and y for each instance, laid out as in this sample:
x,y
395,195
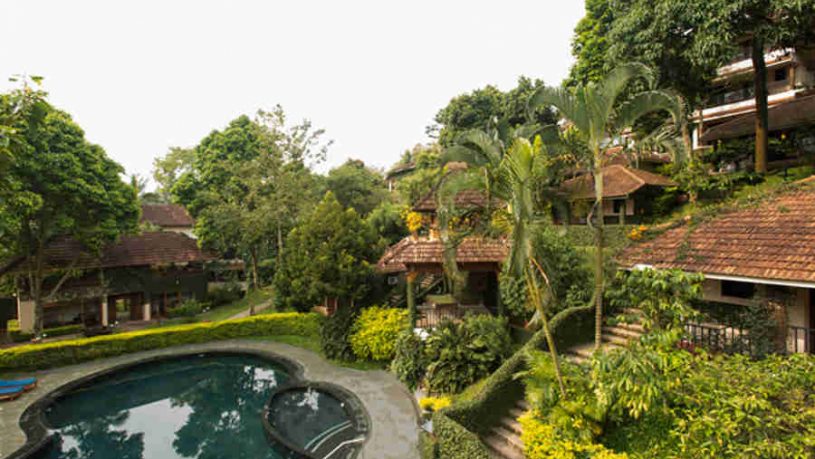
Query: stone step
x,y
516,412
511,423
522,404
511,438
616,340
623,332
502,450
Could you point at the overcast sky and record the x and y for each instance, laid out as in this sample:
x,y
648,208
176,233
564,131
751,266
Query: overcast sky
x,y
142,76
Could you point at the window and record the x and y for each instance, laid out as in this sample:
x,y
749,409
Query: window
x,y
781,74
738,289
619,206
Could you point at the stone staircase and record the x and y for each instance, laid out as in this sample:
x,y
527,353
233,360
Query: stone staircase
x,y
614,336
504,439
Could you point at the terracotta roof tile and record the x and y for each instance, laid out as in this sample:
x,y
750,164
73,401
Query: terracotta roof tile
x,y
410,251
774,240
166,215
618,181
146,249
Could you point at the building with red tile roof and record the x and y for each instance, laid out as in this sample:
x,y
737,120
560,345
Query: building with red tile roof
x,y
766,250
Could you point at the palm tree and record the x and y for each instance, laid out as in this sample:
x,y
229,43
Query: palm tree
x,y
599,114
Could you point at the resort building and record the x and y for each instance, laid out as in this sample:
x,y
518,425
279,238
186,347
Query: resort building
x,y
167,217
137,278
730,111
629,194
418,262
761,253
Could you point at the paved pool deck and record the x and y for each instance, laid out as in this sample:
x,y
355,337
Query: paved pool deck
x,y
391,407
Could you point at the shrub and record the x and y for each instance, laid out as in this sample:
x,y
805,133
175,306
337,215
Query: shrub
x,y
409,363
462,353
188,308
434,403
224,295
18,337
336,332
375,332
456,442
542,441
35,356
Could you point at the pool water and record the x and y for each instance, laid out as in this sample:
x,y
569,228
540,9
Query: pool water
x,y
314,421
205,407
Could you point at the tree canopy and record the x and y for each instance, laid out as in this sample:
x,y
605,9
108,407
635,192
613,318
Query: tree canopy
x,y
329,255
488,107
59,184
355,185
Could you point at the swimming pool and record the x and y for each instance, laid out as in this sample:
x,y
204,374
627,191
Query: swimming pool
x,y
203,406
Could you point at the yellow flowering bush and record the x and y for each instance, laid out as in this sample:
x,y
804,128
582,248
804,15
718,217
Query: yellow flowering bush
x,y
376,331
414,221
637,233
541,441
434,403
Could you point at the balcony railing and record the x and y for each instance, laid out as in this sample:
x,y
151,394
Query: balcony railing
x,y
722,338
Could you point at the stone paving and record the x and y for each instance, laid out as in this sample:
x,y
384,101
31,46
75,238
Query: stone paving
x,y
391,407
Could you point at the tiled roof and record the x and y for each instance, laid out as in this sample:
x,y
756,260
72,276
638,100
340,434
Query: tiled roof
x,y
146,249
465,199
410,251
618,181
166,215
774,241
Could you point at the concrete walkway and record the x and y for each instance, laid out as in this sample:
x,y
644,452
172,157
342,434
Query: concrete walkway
x,y
258,308
394,416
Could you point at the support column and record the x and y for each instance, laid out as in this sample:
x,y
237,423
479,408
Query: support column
x,y
104,311
147,309
411,299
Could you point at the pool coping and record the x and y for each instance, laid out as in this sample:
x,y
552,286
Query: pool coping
x,y
306,367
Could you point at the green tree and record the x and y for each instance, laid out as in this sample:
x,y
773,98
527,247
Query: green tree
x,y
169,168
60,185
598,114
248,183
487,108
329,255
590,43
686,41
386,220
357,186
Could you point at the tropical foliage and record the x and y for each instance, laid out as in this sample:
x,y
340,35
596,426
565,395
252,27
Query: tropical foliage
x,y
375,332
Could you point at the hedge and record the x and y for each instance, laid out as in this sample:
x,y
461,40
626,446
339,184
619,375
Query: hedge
x,y
59,353
18,337
453,441
463,422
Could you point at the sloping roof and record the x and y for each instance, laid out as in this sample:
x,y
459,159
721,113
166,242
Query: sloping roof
x,y
618,181
465,199
410,251
791,114
146,249
399,170
166,215
773,241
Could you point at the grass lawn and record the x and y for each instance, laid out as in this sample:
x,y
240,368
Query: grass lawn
x,y
255,297
313,345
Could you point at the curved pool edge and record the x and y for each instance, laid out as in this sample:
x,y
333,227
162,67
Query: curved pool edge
x,y
390,407
32,421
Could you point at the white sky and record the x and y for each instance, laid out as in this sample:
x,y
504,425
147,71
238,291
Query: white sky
x,y
142,76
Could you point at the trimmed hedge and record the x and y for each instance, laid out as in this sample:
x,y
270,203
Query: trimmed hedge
x,y
463,422
453,441
38,356
18,337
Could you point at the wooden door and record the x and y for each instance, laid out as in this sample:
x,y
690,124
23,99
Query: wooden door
x,y
811,340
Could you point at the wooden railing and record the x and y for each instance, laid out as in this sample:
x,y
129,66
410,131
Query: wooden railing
x,y
429,317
